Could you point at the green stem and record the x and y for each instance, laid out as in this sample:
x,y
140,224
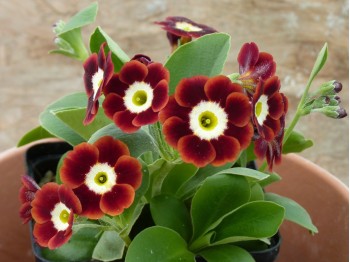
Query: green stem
x,y
162,173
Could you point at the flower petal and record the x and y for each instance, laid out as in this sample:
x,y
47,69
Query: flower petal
x,y
242,134
271,86
156,73
174,109
90,202
227,149
265,67
101,57
145,118
133,71
218,88
196,151
238,109
124,120
113,103
43,233
128,170
44,202
160,98
114,85
276,106
115,201
90,68
110,150
67,197
25,212
247,57
190,91
174,128
260,148
77,164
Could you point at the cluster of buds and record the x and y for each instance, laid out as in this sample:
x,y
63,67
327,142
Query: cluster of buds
x,y
326,101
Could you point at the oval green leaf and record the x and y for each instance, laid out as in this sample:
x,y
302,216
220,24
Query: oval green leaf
x,y
226,253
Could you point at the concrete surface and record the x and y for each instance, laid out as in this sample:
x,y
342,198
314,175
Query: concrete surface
x,y
292,30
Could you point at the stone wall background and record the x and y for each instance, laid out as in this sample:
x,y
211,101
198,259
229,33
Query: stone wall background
x,y
292,30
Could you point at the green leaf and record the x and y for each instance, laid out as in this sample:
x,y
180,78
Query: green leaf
x,y
254,220
170,212
109,248
203,56
34,135
296,143
177,176
294,212
188,189
82,18
79,248
257,192
226,253
119,57
273,177
138,142
243,171
158,244
217,197
319,63
55,126
74,119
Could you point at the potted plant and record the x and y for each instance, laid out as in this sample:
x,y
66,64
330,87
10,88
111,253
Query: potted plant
x,y
164,170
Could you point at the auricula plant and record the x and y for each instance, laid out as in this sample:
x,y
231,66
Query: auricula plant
x,y
158,166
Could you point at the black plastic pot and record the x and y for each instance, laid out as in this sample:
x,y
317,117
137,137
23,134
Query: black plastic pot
x,y
43,159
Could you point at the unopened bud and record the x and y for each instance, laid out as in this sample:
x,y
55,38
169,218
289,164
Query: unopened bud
x,y
58,27
341,113
337,86
63,45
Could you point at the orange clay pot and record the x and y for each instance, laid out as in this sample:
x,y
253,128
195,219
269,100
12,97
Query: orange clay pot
x,y
322,195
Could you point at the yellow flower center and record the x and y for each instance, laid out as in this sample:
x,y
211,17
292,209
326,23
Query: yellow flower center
x,y
208,120
187,27
64,216
258,108
101,178
139,98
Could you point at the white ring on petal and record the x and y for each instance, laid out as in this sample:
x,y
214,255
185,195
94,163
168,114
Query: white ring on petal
x,y
184,26
264,109
55,216
94,171
97,80
216,110
129,95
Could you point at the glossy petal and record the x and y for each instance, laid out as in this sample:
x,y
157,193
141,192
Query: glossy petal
x,y
90,202
247,57
128,170
156,73
123,120
67,197
25,212
260,148
43,233
77,164
133,71
174,109
196,151
218,88
110,150
161,97
273,124
242,134
271,86
145,118
115,86
115,201
174,128
90,67
238,109
44,202
59,239
227,149
113,103
29,183
101,57
265,67
276,106
190,91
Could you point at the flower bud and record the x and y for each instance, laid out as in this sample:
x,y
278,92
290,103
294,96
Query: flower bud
x,y
330,88
58,27
337,86
332,111
341,113
63,45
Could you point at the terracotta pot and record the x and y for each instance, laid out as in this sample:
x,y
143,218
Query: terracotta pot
x,y
319,192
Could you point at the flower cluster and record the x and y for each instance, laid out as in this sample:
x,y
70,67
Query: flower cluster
x,y
170,137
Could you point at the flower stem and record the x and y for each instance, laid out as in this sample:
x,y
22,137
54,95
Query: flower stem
x,y
160,176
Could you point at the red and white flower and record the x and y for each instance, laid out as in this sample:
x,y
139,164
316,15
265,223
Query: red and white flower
x,y
103,175
26,196
53,210
135,96
208,120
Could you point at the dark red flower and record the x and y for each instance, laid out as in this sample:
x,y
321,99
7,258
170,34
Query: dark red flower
x,y
183,29
135,96
269,105
207,120
53,210
103,175
254,65
26,196
98,71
